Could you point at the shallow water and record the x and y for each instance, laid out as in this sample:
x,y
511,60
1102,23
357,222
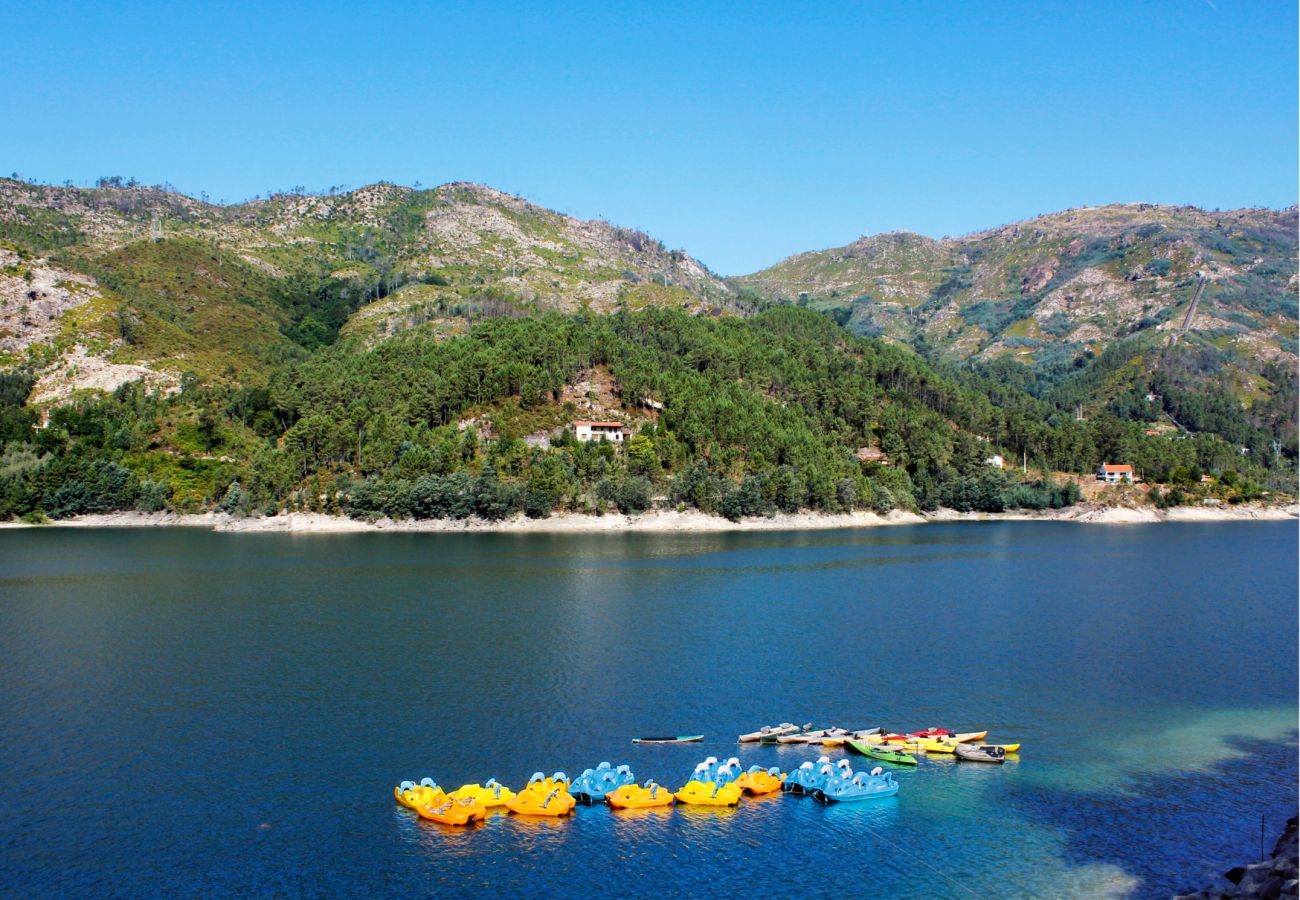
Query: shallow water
x,y
185,711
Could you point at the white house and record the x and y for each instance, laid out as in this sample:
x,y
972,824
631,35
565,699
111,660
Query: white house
x,y
1114,474
599,431
995,461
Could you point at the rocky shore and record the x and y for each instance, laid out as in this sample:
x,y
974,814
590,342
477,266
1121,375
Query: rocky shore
x,y
669,520
1275,877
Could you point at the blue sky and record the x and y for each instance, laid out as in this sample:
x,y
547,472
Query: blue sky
x,y
742,132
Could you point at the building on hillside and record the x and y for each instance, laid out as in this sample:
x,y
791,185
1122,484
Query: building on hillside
x,y
586,432
873,455
1114,474
995,461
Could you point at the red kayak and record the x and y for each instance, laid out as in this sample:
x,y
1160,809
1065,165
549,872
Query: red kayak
x,y
930,733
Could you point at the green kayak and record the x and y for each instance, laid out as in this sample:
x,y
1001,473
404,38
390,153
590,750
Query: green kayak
x,y
884,754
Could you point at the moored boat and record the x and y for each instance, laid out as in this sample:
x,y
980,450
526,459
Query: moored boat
x,y
633,796
769,733
680,739
593,784
849,786
492,793
760,781
802,736
412,795
709,793
985,753
453,812
883,753
544,797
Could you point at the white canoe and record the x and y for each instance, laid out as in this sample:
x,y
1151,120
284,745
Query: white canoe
x,y
769,732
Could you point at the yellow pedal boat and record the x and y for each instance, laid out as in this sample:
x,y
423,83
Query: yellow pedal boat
x,y
453,812
493,793
709,793
760,781
633,796
530,802
412,795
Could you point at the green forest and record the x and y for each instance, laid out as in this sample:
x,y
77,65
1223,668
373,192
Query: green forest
x,y
734,416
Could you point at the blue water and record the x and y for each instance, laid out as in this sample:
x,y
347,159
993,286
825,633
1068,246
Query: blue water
x,y
190,712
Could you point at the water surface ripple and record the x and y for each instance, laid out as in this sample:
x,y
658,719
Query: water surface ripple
x,y
190,712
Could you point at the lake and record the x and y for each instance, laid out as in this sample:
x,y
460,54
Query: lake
x,y
192,712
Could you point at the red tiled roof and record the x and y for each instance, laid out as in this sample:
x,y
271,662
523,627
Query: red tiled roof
x,y
1118,469
599,424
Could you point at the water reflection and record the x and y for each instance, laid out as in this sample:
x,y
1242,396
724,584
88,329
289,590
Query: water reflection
x,y
133,660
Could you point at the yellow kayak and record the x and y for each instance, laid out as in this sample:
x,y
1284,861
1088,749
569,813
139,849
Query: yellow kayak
x,y
491,794
708,793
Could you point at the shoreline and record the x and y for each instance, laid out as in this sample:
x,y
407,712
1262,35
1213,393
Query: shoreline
x,y
661,521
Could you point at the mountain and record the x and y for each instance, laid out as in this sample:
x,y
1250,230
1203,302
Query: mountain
x,y
100,283
1104,308
400,352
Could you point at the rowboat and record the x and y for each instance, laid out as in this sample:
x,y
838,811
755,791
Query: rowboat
x,y
769,733
803,736
882,753
679,739
980,753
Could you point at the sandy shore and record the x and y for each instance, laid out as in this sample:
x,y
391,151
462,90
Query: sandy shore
x,y
669,520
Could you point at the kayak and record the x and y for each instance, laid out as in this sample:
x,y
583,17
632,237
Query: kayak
x,y
802,736
839,736
632,796
681,739
930,733
769,733
493,793
453,812
884,754
760,781
413,795
854,786
912,745
980,753
709,793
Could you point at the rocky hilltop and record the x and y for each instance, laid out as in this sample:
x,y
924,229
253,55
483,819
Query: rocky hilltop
x,y
1099,309
101,285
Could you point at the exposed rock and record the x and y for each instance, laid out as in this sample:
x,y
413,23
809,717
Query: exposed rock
x,y
1270,879
1038,276
33,297
79,370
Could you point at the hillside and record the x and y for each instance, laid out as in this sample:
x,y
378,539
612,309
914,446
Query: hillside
x,y
1053,293
174,284
397,352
